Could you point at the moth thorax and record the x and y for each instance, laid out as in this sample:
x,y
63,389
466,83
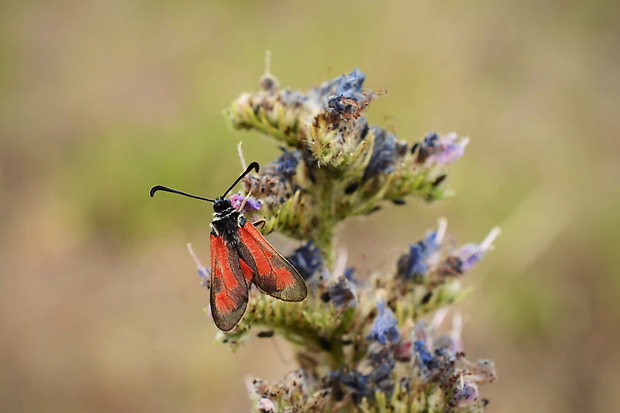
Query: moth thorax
x,y
226,220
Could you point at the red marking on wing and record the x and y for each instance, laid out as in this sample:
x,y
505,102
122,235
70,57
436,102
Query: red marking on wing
x,y
229,286
273,274
248,272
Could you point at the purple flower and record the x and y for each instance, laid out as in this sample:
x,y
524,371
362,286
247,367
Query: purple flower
x,y
424,357
385,327
342,293
437,366
470,254
413,265
355,382
386,151
447,149
249,203
203,272
285,165
349,86
465,393
436,150
306,259
380,377
423,149
364,385
293,98
349,274
343,95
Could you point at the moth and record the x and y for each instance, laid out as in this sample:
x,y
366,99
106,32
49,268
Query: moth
x,y
240,257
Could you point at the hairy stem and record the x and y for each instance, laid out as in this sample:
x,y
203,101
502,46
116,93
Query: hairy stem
x,y
325,222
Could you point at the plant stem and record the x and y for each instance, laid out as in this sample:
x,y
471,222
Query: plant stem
x,y
325,219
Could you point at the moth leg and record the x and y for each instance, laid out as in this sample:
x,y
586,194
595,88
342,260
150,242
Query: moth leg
x,y
259,223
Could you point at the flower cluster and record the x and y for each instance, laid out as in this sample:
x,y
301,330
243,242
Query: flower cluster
x,y
360,344
335,165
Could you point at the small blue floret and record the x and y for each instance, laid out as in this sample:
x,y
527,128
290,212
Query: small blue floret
x,y
385,327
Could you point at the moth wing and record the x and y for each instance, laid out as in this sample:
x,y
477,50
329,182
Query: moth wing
x,y
273,274
229,285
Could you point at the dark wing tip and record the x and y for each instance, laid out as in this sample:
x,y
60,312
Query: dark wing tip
x,y
299,293
227,321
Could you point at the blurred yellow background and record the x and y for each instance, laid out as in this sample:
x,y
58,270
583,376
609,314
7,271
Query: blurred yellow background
x,y
100,307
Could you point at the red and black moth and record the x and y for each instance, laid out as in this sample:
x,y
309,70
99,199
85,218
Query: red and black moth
x,y
240,257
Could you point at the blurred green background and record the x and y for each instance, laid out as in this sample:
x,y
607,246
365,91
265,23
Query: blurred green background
x,y
100,308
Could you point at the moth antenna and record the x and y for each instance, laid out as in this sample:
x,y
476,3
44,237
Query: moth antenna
x,y
253,166
175,191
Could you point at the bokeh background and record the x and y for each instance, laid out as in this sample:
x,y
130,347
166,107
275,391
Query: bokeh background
x,y
100,307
